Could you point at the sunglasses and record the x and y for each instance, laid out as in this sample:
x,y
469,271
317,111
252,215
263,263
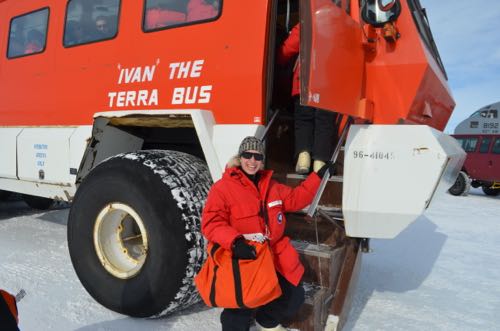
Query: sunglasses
x,y
249,155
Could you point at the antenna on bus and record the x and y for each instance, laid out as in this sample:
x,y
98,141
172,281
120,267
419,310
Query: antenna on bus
x,y
287,24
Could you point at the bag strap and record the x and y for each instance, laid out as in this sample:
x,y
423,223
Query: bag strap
x,y
264,213
238,292
212,252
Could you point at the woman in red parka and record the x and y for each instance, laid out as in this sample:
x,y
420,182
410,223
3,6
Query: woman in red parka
x,y
236,210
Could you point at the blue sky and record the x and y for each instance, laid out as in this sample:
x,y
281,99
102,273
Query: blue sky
x,y
467,34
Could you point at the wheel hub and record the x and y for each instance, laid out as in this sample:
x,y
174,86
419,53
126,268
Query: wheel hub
x,y
120,240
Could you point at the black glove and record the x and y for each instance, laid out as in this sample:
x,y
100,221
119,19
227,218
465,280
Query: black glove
x,y
244,251
329,166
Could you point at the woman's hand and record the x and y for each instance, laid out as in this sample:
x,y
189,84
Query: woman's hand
x,y
242,250
329,166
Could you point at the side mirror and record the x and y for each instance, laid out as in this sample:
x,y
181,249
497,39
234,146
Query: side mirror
x,y
379,12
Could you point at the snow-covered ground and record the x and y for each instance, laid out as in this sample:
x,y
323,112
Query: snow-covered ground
x,y
442,273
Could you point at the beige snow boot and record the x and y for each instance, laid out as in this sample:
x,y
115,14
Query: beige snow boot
x,y
276,328
318,165
303,163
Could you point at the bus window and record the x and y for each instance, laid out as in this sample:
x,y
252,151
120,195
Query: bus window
x,y
160,14
90,21
28,33
496,147
489,113
485,145
468,144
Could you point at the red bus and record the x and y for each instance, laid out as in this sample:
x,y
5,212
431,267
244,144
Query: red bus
x,y
479,136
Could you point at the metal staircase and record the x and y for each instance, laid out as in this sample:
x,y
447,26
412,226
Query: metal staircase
x,y
331,260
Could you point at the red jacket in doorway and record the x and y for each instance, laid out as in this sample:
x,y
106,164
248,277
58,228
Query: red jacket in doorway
x,y
287,51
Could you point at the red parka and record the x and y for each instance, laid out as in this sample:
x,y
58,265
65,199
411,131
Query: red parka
x,y
159,18
200,10
234,208
288,50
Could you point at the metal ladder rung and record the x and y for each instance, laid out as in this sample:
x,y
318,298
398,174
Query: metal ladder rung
x,y
338,179
335,217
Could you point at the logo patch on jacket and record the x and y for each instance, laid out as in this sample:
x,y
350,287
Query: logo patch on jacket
x,y
275,203
280,217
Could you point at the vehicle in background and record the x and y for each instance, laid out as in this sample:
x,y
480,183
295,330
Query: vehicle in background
x,y
479,136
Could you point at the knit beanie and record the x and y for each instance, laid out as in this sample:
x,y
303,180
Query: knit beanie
x,y
251,143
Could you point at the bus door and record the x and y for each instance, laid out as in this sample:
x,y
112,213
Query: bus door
x,y
494,161
332,57
483,163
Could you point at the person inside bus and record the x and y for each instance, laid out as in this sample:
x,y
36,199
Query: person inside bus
x,y
34,42
198,10
162,13
314,128
229,219
102,28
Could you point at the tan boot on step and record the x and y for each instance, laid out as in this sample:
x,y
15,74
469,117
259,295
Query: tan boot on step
x,y
276,328
318,165
303,163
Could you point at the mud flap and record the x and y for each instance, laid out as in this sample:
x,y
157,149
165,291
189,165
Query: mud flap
x,y
391,175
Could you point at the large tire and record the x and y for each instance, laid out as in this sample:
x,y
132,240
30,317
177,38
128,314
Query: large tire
x,y
134,231
40,203
491,191
462,185
4,195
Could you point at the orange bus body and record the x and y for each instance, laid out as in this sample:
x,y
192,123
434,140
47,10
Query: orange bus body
x,y
400,83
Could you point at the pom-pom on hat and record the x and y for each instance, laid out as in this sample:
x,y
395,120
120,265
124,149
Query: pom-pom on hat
x,y
251,143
